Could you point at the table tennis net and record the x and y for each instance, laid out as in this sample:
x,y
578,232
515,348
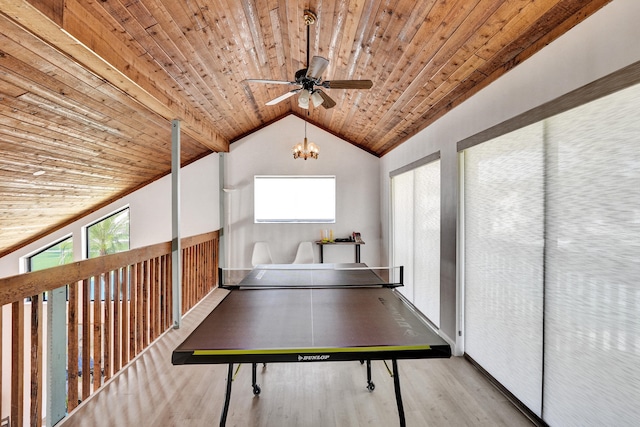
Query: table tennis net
x,y
309,276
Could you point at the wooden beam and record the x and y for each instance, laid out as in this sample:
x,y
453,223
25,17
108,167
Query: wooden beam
x,y
136,81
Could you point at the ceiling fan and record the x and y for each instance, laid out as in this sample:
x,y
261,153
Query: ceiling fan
x,y
309,80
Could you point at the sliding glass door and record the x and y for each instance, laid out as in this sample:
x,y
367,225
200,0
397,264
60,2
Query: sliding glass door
x,y
504,248
552,262
416,235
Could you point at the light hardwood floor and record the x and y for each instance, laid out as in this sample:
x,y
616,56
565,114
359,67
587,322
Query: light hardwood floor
x,y
153,392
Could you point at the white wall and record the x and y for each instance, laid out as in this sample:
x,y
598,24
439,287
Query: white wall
x,y
268,152
602,44
150,213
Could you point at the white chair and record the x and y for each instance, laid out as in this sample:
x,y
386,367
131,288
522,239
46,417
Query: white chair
x,y
261,254
304,254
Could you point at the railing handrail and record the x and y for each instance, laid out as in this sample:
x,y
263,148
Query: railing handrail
x,y
18,287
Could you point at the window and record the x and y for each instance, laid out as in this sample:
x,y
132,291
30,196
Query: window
x,y
504,204
57,254
108,235
552,243
416,234
304,199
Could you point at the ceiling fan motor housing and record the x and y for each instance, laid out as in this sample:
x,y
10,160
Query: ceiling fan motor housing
x,y
300,75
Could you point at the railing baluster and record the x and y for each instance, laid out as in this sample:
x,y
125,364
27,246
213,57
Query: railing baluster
x,y
17,363
161,293
133,284
72,350
86,339
139,307
156,298
153,264
115,355
125,315
145,303
36,361
185,281
97,331
108,326
169,292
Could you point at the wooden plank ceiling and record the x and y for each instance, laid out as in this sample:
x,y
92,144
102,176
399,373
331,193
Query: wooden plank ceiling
x,y
88,88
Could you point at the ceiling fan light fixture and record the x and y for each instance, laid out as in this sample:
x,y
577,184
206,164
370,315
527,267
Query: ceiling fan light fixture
x,y
303,99
316,99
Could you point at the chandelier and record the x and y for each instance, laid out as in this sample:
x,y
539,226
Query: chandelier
x,y
304,150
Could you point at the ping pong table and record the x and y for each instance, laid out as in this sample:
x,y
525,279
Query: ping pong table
x,y
311,313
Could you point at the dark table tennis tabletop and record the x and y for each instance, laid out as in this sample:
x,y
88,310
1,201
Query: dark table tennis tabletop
x,y
285,313
311,313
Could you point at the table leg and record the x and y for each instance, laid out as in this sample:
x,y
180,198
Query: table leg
x,y
256,387
370,385
227,398
396,386
357,253
321,254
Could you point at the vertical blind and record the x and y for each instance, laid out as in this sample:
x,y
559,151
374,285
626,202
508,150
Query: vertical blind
x,y
592,317
416,235
552,262
504,219
402,193
426,229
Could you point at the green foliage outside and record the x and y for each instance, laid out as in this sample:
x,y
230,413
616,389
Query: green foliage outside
x,y
110,235
58,254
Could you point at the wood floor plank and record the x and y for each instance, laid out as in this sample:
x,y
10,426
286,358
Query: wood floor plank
x,y
152,392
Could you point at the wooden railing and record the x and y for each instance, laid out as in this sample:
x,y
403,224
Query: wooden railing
x,y
116,306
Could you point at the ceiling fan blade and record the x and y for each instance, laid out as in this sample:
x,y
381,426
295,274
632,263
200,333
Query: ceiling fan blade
x,y
275,82
283,97
316,67
327,101
347,84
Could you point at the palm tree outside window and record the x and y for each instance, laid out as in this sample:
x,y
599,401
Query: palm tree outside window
x,y
109,235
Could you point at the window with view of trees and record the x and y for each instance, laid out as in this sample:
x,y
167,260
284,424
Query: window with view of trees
x,y
57,254
109,235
